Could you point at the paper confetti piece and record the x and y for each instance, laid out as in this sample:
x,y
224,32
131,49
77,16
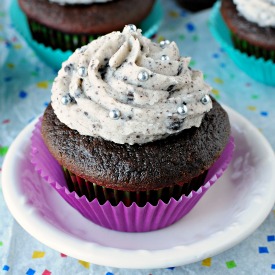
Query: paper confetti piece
x,y
207,262
8,78
6,268
1,243
38,254
230,264
10,65
30,271
43,84
173,14
263,250
273,266
46,272
109,273
3,150
182,37
85,264
161,38
271,238
63,255
190,27
255,96
5,121
17,46
23,94
170,268
251,108
263,113
218,80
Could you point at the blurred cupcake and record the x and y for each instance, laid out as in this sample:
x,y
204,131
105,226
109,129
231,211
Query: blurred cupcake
x,y
70,24
252,26
135,131
196,5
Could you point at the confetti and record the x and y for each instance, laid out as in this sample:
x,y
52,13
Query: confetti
x,y
207,262
46,272
170,268
85,264
264,113
230,264
173,14
273,266
43,84
251,108
218,80
23,94
38,254
30,271
109,273
63,255
3,150
271,238
6,268
263,250
190,27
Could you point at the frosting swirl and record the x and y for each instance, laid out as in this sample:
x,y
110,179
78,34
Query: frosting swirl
x,y
76,2
261,12
127,89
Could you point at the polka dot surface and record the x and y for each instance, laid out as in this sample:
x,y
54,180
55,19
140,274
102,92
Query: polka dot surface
x,y
25,83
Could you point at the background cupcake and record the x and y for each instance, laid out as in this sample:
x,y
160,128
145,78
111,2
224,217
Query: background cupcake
x,y
134,128
252,26
69,24
196,5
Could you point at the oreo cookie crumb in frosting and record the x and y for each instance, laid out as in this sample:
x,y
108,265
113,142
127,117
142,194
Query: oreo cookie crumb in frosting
x,y
124,75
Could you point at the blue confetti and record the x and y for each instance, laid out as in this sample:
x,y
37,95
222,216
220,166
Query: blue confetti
x,y
183,13
190,27
273,266
8,44
170,268
215,55
23,94
46,104
8,78
30,271
109,273
271,238
223,65
263,249
6,268
264,113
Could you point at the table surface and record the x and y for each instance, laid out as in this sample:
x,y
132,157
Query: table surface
x,y
25,84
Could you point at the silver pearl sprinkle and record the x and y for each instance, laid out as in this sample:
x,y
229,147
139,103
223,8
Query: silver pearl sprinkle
x,y
165,57
143,76
66,99
182,110
82,72
132,27
114,114
164,43
205,99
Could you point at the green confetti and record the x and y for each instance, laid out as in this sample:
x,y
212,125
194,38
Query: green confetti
x,y
182,37
3,151
2,14
195,38
230,264
34,74
205,76
1,243
232,75
255,96
192,63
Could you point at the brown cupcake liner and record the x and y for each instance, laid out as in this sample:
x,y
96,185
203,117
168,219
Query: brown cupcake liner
x,y
56,39
102,194
253,50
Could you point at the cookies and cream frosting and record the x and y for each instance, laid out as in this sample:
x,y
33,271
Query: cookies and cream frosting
x,y
261,12
127,89
76,2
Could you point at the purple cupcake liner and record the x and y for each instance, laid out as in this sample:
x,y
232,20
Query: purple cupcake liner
x,y
122,218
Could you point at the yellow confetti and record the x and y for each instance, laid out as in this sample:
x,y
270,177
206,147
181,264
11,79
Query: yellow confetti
x,y
173,14
218,80
161,38
38,254
17,46
251,108
215,92
10,65
43,84
207,262
85,264
273,212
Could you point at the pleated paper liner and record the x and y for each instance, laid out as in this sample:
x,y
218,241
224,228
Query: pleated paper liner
x,y
54,56
258,64
131,218
102,194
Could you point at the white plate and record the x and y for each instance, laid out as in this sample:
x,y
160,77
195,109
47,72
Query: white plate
x,y
231,210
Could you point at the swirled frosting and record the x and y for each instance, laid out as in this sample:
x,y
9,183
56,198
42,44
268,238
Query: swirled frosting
x,y
127,89
76,2
261,12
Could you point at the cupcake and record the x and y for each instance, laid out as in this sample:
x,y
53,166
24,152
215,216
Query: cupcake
x,y
196,5
252,26
135,131
70,24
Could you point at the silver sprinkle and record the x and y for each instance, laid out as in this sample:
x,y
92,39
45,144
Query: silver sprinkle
x,y
114,114
66,99
165,57
82,72
205,99
182,110
143,76
132,27
164,43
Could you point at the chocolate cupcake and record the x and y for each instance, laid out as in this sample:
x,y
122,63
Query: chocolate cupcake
x,y
252,26
196,5
70,24
134,127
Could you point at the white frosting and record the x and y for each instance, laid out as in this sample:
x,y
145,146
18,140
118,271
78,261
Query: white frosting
x,y
261,12
103,76
74,2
